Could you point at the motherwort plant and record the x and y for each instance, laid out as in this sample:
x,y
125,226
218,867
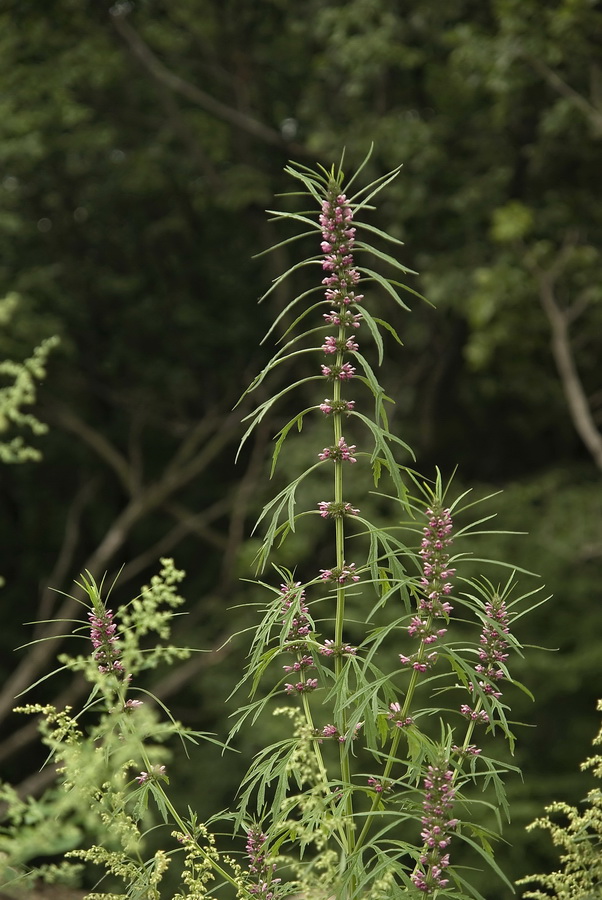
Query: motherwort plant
x,y
384,655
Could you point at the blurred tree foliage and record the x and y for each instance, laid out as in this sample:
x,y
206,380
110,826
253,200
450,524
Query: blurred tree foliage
x,y
140,143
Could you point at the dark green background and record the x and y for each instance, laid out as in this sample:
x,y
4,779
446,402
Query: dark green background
x,y
140,144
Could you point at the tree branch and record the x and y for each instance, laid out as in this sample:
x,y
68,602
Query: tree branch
x,y
562,351
590,111
149,499
145,56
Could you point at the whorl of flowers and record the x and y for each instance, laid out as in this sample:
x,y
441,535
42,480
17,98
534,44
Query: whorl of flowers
x,y
341,575
340,452
154,773
105,641
437,825
336,406
260,869
333,510
331,731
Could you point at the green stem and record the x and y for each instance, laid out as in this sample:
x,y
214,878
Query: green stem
x,y
182,826
316,746
344,761
393,749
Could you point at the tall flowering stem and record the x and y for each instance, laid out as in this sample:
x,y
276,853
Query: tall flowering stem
x,y
433,589
344,810
344,832
341,280
493,654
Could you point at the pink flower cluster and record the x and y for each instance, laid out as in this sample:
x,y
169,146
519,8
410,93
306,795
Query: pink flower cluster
x,y
329,648
331,509
259,868
332,345
379,786
301,687
493,643
154,773
105,642
343,317
336,406
341,452
306,662
478,716
299,625
342,373
338,237
437,825
299,629
436,538
340,575
331,731
435,561
395,715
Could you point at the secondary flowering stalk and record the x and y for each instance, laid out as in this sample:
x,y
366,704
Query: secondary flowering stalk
x,y
492,655
435,585
260,870
298,630
104,639
438,826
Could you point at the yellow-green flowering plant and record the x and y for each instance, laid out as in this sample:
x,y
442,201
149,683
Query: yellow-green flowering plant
x,y
578,835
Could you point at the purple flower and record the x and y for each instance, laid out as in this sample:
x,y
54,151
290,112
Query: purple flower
x,y
105,641
419,661
437,825
436,537
470,750
306,662
492,655
329,731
